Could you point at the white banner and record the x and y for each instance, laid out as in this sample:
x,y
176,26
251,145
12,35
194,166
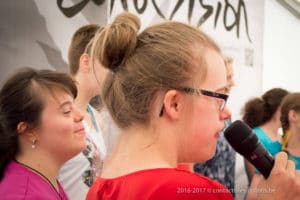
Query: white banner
x,y
37,33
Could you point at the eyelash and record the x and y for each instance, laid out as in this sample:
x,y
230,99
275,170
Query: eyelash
x,y
67,112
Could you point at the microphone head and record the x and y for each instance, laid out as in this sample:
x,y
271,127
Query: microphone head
x,y
241,137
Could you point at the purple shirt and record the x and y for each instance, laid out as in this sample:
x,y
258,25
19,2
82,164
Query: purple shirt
x,y
21,183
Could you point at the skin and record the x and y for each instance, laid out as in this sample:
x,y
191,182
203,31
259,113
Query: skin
x,y
195,122
59,136
164,141
205,128
90,78
294,127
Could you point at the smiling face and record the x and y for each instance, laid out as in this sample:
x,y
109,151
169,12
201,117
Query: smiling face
x,y
61,133
203,117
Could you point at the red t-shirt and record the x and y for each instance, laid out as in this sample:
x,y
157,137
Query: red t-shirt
x,y
156,184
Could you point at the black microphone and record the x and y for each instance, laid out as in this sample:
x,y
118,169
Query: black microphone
x,y
242,139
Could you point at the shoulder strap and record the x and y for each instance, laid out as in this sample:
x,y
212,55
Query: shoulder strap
x,y
91,112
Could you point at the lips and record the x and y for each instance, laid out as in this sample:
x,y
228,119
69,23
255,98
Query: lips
x,y
217,135
80,130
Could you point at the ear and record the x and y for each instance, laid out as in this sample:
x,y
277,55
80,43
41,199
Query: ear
x,y
84,62
26,131
292,115
173,104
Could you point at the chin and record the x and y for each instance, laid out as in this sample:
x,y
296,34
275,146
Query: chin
x,y
211,155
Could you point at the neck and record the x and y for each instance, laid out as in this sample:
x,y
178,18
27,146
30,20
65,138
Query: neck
x,y
139,149
82,100
271,128
47,169
294,143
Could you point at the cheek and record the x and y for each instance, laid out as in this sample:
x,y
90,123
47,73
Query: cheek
x,y
204,117
204,123
58,128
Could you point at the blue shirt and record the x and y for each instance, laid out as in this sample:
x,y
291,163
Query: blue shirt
x,y
274,147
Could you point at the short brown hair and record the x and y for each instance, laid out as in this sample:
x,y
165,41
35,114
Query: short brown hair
x,y
79,41
290,102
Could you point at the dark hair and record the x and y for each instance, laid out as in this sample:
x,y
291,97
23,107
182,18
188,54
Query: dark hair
x,y
258,111
290,102
161,57
21,101
79,42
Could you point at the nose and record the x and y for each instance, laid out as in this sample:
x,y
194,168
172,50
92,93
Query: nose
x,y
225,114
78,115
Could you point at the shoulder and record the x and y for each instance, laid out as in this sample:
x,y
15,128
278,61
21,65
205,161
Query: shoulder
x,y
20,183
162,184
261,134
258,131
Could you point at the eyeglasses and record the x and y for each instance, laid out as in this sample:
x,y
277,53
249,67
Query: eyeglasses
x,y
222,97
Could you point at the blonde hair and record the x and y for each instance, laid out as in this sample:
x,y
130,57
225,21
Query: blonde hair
x,y
162,57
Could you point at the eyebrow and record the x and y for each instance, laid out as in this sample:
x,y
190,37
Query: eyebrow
x,y
65,103
222,89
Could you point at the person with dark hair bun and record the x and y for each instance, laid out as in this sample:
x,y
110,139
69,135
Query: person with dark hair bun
x,y
262,114
166,91
40,129
290,140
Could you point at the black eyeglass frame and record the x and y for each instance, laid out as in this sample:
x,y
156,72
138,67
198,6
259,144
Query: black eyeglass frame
x,y
203,92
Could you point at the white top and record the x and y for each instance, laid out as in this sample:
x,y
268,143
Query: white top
x,y
78,174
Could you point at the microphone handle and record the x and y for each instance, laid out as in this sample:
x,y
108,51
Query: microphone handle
x,y
262,160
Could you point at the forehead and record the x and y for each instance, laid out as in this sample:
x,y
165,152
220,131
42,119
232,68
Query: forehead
x,y
216,70
55,96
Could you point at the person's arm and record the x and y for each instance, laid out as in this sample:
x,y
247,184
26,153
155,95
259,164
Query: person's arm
x,y
282,183
250,170
251,195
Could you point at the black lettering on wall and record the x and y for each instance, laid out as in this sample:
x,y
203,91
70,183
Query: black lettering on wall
x,y
177,6
219,7
124,5
158,10
209,10
236,23
190,11
73,10
142,9
223,9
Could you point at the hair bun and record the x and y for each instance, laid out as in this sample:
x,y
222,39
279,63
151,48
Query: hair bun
x,y
116,43
128,19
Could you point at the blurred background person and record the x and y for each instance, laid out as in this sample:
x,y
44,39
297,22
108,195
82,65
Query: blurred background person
x,y
262,114
290,121
78,174
40,129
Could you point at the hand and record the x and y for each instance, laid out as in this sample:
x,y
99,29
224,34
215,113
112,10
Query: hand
x,y
282,183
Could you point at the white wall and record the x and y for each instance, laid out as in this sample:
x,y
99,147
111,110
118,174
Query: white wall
x,y
281,63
